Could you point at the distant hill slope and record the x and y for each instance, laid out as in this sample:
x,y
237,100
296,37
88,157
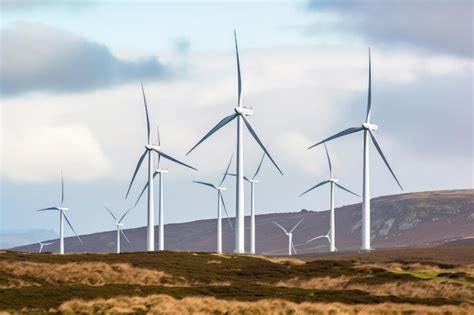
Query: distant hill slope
x,y
412,219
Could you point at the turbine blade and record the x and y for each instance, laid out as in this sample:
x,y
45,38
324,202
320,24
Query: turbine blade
x,y
124,215
337,135
281,227
140,160
70,225
46,209
110,211
296,225
294,249
226,171
143,190
259,166
254,134
158,133
383,157
62,189
329,159
232,174
125,236
204,183
315,186
225,209
168,157
316,238
218,126
239,78
147,117
369,95
343,188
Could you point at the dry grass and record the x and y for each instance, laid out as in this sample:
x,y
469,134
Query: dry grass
x,y
90,273
283,260
163,304
418,289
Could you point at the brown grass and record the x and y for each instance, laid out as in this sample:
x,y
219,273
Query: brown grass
x,y
163,304
418,289
90,273
283,260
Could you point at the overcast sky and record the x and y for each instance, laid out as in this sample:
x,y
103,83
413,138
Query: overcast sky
x,y
71,100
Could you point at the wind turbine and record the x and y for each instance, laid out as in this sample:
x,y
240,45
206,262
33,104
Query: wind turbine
x,y
41,244
252,182
327,236
219,188
334,182
119,225
62,216
161,172
241,113
149,147
368,129
290,235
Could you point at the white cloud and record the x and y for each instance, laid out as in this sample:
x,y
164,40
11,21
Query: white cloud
x,y
39,154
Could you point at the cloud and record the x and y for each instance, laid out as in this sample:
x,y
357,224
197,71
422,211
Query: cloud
x,y
39,57
182,45
444,26
39,154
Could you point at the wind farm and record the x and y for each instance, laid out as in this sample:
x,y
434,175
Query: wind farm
x,y
202,165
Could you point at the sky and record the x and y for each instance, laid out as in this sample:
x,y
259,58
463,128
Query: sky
x,y
71,101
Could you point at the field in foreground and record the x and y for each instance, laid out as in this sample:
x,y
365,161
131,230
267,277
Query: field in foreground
x,y
179,282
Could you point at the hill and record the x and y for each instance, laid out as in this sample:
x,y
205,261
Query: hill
x,y
412,219
188,283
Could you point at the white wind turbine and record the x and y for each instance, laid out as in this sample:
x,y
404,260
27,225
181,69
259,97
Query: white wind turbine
x,y
161,172
240,113
368,129
326,236
252,182
62,216
290,236
151,205
119,225
219,188
41,244
334,182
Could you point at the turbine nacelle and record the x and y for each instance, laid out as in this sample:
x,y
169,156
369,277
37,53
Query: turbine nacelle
x,y
369,126
221,188
152,147
162,171
244,111
119,224
252,181
334,180
62,209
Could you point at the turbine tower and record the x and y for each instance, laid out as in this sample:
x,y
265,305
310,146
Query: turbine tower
x,y
219,188
161,172
62,216
119,225
252,182
334,182
290,235
368,129
241,113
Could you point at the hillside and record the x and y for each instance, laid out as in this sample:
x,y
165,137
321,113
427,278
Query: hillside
x,y
412,219
183,282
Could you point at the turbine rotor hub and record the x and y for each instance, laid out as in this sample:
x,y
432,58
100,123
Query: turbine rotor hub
x,y
244,111
334,180
152,147
369,126
221,188
63,209
162,171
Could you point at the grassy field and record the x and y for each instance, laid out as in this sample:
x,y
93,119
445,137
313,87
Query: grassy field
x,y
179,282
